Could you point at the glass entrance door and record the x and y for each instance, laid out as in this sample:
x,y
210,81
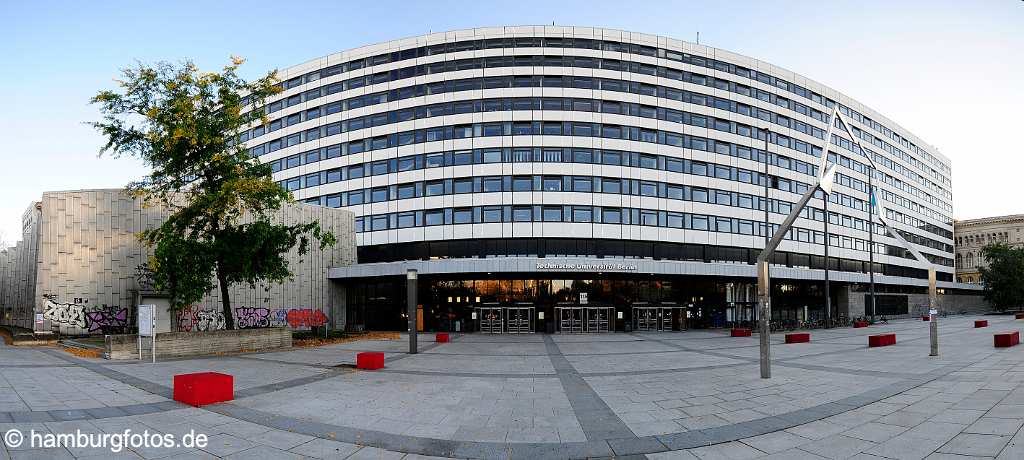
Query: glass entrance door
x,y
645,318
570,319
599,319
519,320
491,320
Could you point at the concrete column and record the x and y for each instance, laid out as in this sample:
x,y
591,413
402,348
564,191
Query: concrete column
x,y
411,291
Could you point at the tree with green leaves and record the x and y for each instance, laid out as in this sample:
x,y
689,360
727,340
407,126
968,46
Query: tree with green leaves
x,y
184,125
1003,275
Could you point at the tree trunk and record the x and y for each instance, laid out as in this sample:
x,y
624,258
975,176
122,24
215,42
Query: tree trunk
x,y
225,299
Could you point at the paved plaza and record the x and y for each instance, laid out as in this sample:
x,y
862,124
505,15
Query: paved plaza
x,y
691,395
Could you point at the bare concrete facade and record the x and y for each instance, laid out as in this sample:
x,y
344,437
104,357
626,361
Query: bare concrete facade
x,y
78,265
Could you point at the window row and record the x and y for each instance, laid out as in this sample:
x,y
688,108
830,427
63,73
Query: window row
x,y
620,249
546,61
525,128
524,81
609,185
630,48
607,215
567,155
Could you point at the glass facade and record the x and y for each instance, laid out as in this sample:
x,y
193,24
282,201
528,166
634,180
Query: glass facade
x,y
592,145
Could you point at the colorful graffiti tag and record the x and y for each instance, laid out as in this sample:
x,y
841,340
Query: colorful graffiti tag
x,y
107,321
98,319
248,317
301,318
195,319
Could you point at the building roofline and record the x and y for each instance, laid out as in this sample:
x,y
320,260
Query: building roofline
x,y
600,32
990,220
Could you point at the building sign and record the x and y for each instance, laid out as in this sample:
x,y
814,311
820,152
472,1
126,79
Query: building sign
x,y
583,267
583,298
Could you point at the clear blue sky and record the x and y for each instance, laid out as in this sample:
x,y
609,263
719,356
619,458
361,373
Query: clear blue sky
x,y
951,72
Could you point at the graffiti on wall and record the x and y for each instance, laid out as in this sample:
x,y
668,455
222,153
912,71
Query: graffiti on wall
x,y
107,321
70,314
192,318
102,319
295,318
248,317
303,318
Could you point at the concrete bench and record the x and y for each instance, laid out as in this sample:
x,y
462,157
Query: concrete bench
x,y
441,337
860,324
981,323
202,388
798,337
881,340
370,360
1007,339
740,332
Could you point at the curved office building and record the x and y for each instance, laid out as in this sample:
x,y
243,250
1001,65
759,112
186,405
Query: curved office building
x,y
575,178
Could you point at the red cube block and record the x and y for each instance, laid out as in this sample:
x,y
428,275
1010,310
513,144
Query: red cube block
x,y
925,318
441,337
860,324
370,360
202,388
798,337
881,340
981,323
740,332
1007,339
1019,316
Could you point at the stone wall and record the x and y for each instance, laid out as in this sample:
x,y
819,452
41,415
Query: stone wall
x,y
852,303
85,277
182,344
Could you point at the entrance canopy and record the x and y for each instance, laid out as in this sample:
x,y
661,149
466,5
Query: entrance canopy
x,y
555,265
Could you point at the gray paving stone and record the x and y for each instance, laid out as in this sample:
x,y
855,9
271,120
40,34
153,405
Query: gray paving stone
x,y
41,454
998,426
263,453
222,445
777,441
325,449
837,446
976,444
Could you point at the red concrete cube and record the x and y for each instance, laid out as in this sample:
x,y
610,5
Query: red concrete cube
x,y
441,337
981,323
370,360
1019,316
798,337
925,318
1007,339
860,324
202,388
740,332
881,340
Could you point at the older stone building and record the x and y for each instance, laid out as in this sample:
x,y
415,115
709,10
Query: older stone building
x,y
78,270
974,234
